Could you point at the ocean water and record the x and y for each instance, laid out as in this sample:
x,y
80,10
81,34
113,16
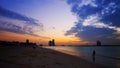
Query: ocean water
x,y
105,55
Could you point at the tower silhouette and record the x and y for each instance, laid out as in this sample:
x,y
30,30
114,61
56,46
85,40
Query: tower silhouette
x,y
98,43
51,42
27,41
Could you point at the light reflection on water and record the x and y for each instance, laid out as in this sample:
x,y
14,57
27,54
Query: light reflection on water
x,y
106,55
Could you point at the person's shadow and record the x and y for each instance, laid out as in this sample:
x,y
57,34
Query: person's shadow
x,y
93,56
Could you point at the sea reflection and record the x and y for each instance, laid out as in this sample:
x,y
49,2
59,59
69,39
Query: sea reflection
x,y
105,55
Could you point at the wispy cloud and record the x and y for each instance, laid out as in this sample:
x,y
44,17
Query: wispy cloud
x,y
13,15
94,21
17,23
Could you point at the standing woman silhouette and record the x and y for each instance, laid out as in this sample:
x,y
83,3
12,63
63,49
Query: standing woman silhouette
x,y
93,56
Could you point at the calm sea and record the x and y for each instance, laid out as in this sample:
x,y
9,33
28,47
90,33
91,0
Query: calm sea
x,y
105,55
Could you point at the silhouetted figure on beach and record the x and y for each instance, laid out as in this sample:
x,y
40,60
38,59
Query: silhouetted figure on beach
x,y
93,56
98,43
34,47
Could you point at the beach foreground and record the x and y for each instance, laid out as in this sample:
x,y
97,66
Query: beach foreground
x,y
29,57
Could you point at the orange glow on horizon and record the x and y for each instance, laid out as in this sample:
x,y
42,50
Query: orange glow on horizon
x,y
59,40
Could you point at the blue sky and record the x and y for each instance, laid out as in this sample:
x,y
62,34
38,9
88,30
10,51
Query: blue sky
x,y
46,19
97,20
67,21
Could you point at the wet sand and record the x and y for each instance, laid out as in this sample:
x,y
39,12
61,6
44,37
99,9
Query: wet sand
x,y
27,57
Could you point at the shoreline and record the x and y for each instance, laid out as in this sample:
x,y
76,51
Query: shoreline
x,y
25,57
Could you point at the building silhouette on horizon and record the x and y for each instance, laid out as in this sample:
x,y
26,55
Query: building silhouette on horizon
x,y
51,42
98,43
27,41
17,43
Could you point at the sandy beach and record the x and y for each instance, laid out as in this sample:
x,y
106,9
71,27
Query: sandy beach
x,y
28,57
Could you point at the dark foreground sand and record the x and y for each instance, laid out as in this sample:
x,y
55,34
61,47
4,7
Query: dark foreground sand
x,y
27,57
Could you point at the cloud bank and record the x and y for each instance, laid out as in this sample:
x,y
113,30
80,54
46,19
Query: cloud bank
x,y
97,20
17,23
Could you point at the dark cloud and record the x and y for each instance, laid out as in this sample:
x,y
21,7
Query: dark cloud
x,y
113,18
13,15
17,23
97,20
6,26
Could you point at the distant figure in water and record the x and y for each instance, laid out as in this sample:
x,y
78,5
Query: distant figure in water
x,y
93,56
98,43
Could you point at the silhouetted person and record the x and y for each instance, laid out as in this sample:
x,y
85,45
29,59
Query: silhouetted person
x,y
98,43
93,56
34,47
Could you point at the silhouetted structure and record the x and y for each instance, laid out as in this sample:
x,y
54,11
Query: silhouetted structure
x,y
51,43
27,41
41,45
17,43
98,43
93,56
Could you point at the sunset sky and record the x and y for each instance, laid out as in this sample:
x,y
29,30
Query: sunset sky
x,y
69,22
